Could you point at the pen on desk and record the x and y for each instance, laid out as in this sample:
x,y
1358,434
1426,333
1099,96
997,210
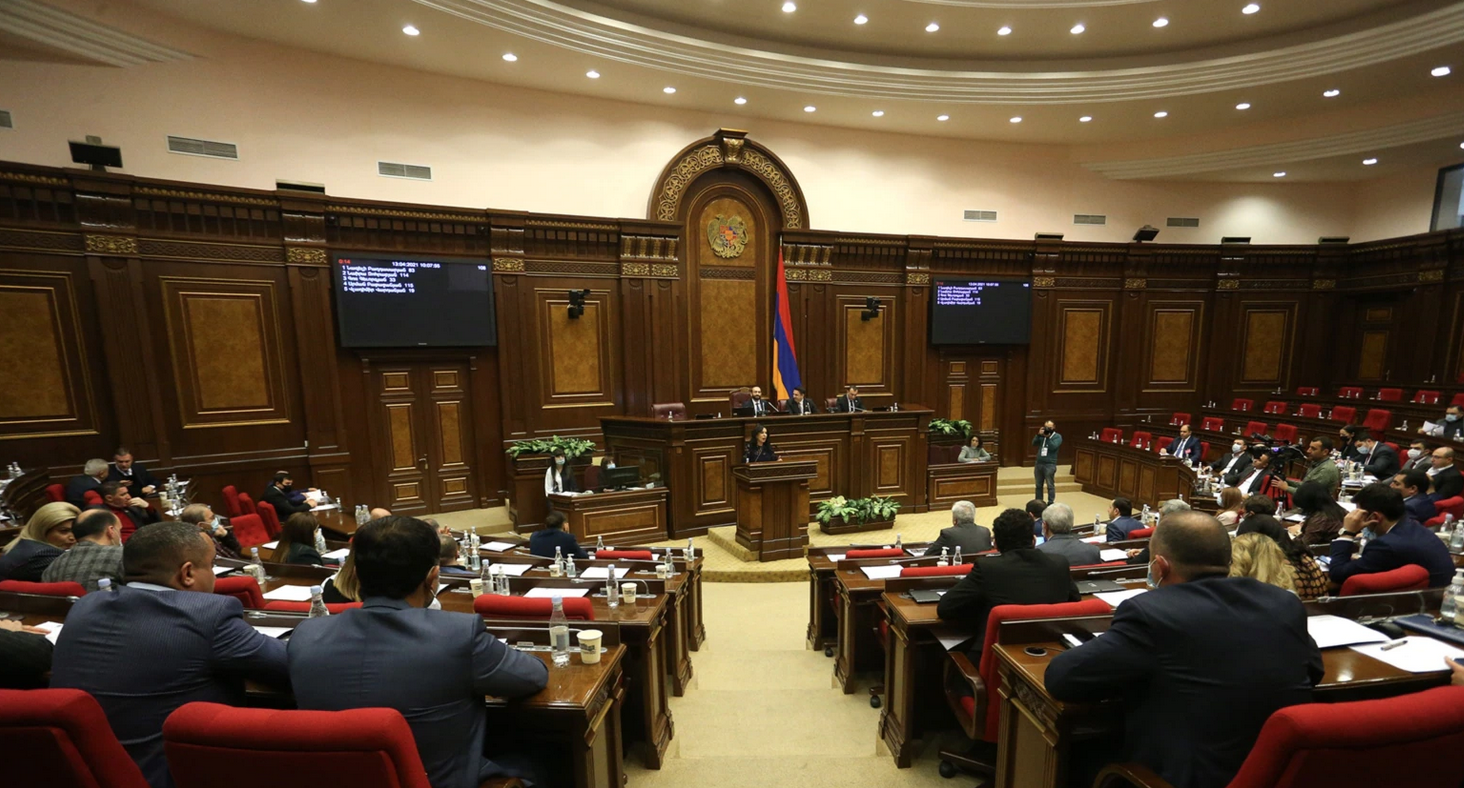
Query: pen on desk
x,y
1394,644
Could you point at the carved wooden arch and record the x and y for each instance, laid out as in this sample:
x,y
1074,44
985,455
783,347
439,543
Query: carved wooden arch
x,y
728,148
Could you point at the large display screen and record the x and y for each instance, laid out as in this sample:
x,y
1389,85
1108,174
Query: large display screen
x,y
413,301
981,311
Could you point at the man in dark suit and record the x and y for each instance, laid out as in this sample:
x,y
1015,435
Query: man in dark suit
x,y
133,513
1203,660
963,533
1450,427
1255,479
543,541
1397,540
1230,463
757,406
162,640
90,480
437,665
277,494
1186,446
1419,457
1057,526
1035,508
25,656
1020,575
799,404
849,401
1445,478
1380,461
1121,520
127,472
1413,486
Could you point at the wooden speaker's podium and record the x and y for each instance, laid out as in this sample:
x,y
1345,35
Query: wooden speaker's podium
x,y
772,507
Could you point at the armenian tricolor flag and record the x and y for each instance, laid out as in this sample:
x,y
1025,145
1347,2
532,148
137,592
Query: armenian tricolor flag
x,y
785,360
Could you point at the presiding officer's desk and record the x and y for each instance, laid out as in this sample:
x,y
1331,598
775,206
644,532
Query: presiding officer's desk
x,y
857,454
1114,470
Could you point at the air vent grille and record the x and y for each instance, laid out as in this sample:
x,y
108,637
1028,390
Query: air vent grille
x,y
416,172
1182,221
5,121
192,147
1089,218
980,216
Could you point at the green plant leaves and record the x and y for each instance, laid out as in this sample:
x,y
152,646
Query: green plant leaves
x,y
857,510
573,447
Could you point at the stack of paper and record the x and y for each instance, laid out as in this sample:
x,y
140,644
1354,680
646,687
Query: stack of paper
x,y
1113,554
1115,598
271,632
497,547
1335,631
512,570
1099,539
1416,654
881,572
289,594
549,593
52,628
835,557
603,572
219,570
339,555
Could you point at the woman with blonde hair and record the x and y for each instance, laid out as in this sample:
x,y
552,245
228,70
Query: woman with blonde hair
x,y
343,587
1232,500
46,535
1257,555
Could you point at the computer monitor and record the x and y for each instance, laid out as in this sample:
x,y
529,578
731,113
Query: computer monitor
x,y
621,476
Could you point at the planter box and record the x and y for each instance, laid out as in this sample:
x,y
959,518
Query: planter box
x,y
840,526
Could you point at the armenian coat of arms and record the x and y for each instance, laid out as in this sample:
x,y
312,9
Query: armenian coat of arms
x,y
727,236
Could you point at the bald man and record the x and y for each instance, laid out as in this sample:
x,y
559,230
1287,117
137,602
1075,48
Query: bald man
x,y
1203,659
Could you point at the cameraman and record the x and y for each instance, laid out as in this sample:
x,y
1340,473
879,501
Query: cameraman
x,y
1048,441
1320,468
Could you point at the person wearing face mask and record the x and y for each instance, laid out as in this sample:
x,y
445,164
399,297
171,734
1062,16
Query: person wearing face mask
x,y
337,662
1320,468
1203,659
1347,445
1395,539
559,478
1448,429
1380,460
202,515
1443,476
1231,462
1419,458
277,494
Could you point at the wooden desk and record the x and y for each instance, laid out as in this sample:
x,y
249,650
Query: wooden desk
x,y
621,515
822,596
24,494
1113,470
857,455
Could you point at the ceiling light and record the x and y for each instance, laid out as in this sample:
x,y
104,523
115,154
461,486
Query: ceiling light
x,y
739,101
789,7
510,57
1085,118
1441,71
810,108
668,90
411,30
1369,162
1461,144
1004,30
879,113
1278,174
1017,119
1243,105
309,1
1161,114
861,19
942,118
1161,22
932,27
1251,8
1333,93
592,74
1078,28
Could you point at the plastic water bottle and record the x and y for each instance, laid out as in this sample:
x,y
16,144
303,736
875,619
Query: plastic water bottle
x,y
320,542
1146,513
569,570
475,561
956,561
690,550
611,597
599,543
945,557
105,584
1456,540
1278,510
559,634
1450,606
254,557
317,603
557,570
899,545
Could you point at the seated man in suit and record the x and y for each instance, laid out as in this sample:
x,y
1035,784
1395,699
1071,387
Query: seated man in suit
x,y
1379,459
449,557
96,554
279,495
133,512
1203,660
439,664
1020,575
1186,446
162,640
543,541
1443,477
1255,478
1449,427
90,480
130,474
799,404
202,515
1397,539
1419,457
1232,462
1035,508
963,533
1413,486
756,405
1057,527
849,401
1121,520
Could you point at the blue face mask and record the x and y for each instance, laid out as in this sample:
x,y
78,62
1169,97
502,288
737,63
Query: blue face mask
x,y
1149,578
1451,417
1369,533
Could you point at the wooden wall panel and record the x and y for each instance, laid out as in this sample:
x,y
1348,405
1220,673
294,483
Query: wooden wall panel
x,y
1372,355
45,385
577,368
865,350
1176,334
1267,329
1083,346
727,335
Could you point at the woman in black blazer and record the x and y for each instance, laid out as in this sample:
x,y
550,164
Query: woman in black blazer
x,y
759,449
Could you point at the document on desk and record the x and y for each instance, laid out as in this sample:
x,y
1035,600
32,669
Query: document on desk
x,y
339,555
549,593
603,572
270,545
512,570
1335,631
289,594
835,557
952,639
1114,598
1113,554
219,570
1099,539
272,632
881,572
1417,654
497,547
52,628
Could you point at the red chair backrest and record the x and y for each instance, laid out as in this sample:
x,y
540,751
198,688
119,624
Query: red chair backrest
x,y
1163,442
1179,418
624,555
1320,745
1242,404
534,608
1141,439
249,530
92,498
1141,533
1390,395
1000,613
1111,435
1454,506
243,588
270,518
246,504
285,606
592,477
1378,420
1213,424
830,403
55,493
1311,410
1458,399
60,737
1256,427
43,589
1350,392
935,571
362,748
676,410
1425,397
1410,577
1204,450
231,501
1308,391
886,552
1344,414
1275,406
1285,432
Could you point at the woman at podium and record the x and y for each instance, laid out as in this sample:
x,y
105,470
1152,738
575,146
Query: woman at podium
x,y
759,449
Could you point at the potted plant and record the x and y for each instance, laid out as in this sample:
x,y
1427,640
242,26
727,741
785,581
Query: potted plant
x,y
840,515
573,447
949,431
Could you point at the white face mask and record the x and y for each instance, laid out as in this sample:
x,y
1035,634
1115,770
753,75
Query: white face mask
x,y
1237,447
1414,454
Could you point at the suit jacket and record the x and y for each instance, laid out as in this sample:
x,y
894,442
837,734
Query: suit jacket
x,y
86,563
764,453
142,653
284,507
1404,543
1447,484
77,488
1017,577
303,554
135,481
373,657
841,405
1382,462
791,405
28,560
1201,665
543,541
1227,464
1420,464
1186,448
972,539
1075,550
25,659
768,406
1420,508
1261,486
1118,529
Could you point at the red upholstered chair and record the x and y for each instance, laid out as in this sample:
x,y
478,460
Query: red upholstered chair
x,y
1425,397
1308,391
246,504
1204,450
231,501
935,571
830,403
532,608
1310,410
1321,745
1275,406
1141,439
249,530
1212,424
1141,533
1378,420
1179,418
243,588
1458,399
1284,432
1390,395
1100,566
674,411
1344,414
1162,443
43,589
55,493
1111,435
1242,404
92,498
624,555
285,606
878,552
270,518
1350,392
1257,428
59,738
1454,506
1410,577
592,477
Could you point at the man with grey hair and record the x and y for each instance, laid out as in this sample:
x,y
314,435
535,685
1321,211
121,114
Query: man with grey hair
x,y
1057,528
90,480
1172,506
963,533
202,515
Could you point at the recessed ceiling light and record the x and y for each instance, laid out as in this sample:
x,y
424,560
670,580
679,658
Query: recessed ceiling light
x,y
1017,119
1243,105
1161,114
879,113
789,7
1441,71
668,90
1251,8
739,100
1461,144
810,108
592,74
411,30
1078,28
1333,93
932,27
1085,118
510,57
309,1
861,19
1369,162
1161,22
1004,30
1281,174
942,118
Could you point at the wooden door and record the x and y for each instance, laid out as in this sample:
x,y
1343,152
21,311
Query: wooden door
x,y
423,431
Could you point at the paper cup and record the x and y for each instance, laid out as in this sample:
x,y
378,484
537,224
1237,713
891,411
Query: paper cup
x,y
589,642
627,593
476,586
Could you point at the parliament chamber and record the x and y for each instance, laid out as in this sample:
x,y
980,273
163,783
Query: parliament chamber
x,y
706,418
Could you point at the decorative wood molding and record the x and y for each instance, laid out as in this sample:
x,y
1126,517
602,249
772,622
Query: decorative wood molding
x,y
806,275
917,278
305,255
401,213
116,245
1324,284
1228,284
1431,275
1044,281
665,271
635,269
38,240
708,272
39,180
198,250
1135,283
713,152
508,265
180,194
